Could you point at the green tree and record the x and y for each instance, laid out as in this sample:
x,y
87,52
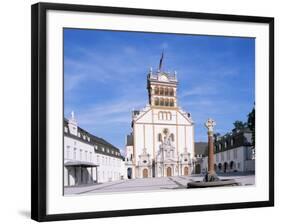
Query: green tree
x,y
239,125
216,135
251,124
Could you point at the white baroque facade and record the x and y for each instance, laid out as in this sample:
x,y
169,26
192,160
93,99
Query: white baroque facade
x,y
89,159
162,139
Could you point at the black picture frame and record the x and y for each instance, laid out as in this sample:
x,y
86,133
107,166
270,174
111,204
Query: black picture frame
x,y
39,108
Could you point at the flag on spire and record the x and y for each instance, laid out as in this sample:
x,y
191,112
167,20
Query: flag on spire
x,y
161,61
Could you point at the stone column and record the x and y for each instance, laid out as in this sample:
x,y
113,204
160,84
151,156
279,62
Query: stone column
x,y
211,162
97,178
211,175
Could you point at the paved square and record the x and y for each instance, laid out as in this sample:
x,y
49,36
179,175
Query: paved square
x,y
148,184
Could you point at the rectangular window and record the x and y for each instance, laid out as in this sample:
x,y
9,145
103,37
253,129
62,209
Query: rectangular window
x,y
74,153
68,152
228,155
86,155
235,153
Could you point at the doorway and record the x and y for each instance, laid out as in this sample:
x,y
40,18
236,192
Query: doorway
x,y
145,173
169,171
185,171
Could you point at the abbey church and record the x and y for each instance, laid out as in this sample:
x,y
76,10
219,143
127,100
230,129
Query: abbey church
x,y
162,139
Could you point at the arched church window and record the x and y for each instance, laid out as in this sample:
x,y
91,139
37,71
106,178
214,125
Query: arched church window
x,y
166,91
171,92
168,116
172,137
156,101
161,102
171,103
166,102
159,137
161,91
156,90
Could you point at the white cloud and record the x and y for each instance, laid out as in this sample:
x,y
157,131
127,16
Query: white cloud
x,y
109,113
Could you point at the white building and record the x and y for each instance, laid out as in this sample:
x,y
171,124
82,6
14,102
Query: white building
x,y
162,138
89,159
233,153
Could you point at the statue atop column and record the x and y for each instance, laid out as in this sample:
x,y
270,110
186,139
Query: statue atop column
x,y
211,179
210,123
211,175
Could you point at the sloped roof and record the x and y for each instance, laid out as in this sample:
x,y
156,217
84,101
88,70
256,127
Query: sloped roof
x,y
201,148
94,140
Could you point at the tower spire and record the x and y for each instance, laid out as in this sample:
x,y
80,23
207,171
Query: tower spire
x,y
161,61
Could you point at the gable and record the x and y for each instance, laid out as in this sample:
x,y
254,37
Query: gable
x,y
144,117
183,118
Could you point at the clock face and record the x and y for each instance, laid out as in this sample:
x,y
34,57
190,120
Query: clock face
x,y
163,78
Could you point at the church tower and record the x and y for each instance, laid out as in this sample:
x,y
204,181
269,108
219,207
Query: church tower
x,y
162,139
162,88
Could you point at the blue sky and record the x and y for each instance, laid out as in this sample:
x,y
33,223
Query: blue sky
x,y
105,78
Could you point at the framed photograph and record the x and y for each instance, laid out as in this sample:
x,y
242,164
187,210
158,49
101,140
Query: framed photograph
x,y
140,111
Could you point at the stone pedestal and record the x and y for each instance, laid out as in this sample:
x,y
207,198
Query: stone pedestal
x,y
211,179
